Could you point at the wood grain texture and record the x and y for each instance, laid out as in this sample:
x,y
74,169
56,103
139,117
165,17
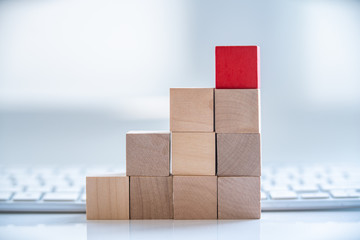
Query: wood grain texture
x,y
238,154
237,111
192,109
237,67
193,153
239,197
151,197
195,197
107,197
147,154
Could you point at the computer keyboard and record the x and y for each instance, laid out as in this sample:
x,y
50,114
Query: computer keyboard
x,y
24,189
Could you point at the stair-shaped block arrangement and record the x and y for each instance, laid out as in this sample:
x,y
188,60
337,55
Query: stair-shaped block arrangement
x,y
208,166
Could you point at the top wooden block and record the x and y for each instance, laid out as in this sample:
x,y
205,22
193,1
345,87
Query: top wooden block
x,y
148,154
192,109
237,67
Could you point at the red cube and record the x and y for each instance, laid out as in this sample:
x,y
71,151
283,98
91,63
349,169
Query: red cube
x,y
237,67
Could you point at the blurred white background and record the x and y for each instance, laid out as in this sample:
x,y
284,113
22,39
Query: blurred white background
x,y
76,75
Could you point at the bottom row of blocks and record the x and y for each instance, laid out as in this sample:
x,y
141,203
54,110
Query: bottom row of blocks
x,y
174,197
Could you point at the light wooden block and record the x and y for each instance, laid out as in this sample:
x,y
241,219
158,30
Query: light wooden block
x,y
151,197
148,153
107,197
195,197
193,153
239,198
238,154
237,111
192,109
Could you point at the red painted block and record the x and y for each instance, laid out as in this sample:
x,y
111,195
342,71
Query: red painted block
x,y
237,67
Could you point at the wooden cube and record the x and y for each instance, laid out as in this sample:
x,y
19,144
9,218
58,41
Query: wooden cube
x,y
192,109
238,197
193,153
151,198
237,67
195,197
238,154
107,197
237,111
148,153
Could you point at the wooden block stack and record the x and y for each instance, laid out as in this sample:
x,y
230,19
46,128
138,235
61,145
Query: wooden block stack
x,y
193,153
237,126
215,153
148,164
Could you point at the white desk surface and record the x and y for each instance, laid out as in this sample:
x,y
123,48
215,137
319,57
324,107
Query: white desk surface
x,y
340,224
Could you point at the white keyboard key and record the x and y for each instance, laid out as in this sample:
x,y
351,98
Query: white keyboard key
x,y
55,179
11,189
354,176
68,189
27,196
353,185
263,195
330,187
279,195
338,180
270,187
345,181
39,188
308,181
56,184
60,197
280,182
305,188
27,181
318,195
83,197
6,184
4,196
344,194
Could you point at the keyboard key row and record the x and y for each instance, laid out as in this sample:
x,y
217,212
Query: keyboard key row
x,y
299,188
344,194
35,196
287,195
